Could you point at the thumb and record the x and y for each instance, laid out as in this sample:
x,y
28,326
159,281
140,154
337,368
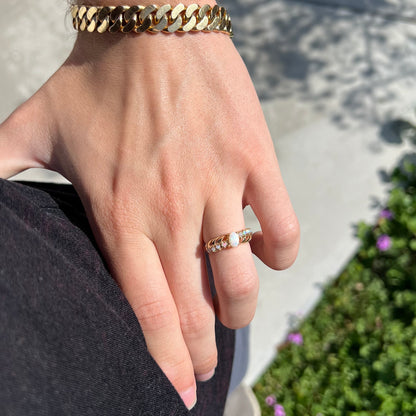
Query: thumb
x,y
25,137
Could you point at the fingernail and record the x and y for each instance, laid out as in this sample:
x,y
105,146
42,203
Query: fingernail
x,y
189,397
206,376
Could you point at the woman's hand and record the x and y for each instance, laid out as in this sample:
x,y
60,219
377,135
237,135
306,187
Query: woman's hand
x,y
164,139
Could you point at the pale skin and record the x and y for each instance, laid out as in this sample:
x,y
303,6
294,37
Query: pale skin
x,y
164,139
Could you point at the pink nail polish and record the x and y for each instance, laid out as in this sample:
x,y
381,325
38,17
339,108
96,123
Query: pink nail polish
x,y
206,376
189,397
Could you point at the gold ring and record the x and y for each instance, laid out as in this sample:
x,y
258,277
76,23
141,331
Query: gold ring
x,y
230,240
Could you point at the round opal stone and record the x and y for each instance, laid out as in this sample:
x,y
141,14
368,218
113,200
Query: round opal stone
x,y
234,240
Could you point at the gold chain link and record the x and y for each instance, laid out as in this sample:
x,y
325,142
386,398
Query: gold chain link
x,y
151,18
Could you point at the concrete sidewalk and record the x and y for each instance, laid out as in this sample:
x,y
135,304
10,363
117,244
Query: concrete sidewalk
x,y
330,78
330,74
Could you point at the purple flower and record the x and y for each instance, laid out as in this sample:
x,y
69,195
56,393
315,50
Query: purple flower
x,y
279,410
270,400
386,213
295,338
383,242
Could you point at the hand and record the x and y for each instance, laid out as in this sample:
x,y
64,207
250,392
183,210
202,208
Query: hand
x,y
164,139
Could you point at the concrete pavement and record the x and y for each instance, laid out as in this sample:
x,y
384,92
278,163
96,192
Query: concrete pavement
x,y
331,76
330,79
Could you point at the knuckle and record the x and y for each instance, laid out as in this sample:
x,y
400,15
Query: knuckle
x,y
247,320
284,264
120,209
119,217
154,315
114,211
283,255
208,363
286,233
178,369
237,322
118,220
282,261
196,321
282,243
243,285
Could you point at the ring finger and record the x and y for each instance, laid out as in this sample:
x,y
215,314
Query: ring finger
x,y
235,275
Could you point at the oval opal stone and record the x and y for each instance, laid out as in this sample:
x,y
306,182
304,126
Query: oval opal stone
x,y
234,240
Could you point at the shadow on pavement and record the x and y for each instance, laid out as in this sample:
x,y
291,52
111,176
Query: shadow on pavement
x,y
351,64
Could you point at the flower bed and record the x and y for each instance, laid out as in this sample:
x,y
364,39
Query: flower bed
x,y
355,354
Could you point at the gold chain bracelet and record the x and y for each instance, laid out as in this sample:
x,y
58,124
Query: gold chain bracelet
x,y
151,18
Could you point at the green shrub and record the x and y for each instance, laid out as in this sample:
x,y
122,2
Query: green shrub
x,y
358,353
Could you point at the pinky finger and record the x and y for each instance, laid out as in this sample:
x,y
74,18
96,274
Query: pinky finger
x,y
277,244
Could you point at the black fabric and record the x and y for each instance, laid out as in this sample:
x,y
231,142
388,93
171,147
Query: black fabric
x,y
70,342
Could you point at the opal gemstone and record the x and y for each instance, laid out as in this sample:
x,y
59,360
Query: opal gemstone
x,y
234,240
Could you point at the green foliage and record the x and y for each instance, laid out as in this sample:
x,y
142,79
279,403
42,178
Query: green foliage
x,y
359,352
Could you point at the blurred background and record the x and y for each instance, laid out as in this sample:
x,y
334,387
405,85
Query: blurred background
x,y
332,76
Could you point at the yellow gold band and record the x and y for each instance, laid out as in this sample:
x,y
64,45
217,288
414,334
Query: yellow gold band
x,y
165,18
231,240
